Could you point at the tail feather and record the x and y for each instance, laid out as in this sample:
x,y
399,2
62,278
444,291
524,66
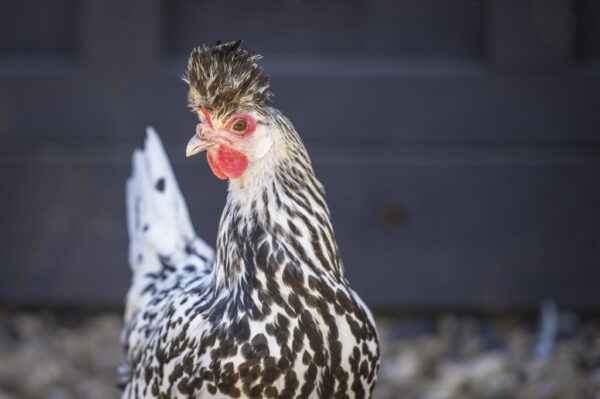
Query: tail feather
x,y
163,179
157,213
158,221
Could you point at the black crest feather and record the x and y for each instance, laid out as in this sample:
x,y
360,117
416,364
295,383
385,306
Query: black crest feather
x,y
226,76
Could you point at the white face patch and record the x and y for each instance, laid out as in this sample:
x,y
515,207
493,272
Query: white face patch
x,y
258,144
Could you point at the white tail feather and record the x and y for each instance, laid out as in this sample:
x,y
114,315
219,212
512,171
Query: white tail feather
x,y
158,221
156,211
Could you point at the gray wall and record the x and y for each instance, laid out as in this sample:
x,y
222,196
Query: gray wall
x,y
458,141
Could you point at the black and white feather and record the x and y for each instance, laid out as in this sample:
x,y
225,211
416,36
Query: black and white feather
x,y
225,77
269,313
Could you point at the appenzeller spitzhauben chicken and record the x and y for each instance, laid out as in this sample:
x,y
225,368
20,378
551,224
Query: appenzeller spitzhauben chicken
x,y
269,313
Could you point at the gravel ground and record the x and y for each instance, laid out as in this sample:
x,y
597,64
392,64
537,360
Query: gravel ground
x,y
47,356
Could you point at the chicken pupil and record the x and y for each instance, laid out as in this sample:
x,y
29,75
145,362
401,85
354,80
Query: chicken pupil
x,y
240,125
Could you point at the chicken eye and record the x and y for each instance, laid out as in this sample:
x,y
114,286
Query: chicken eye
x,y
240,125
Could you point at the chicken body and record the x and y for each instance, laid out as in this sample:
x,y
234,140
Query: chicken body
x,y
270,314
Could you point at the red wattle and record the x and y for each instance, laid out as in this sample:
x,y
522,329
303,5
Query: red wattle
x,y
214,165
232,162
225,162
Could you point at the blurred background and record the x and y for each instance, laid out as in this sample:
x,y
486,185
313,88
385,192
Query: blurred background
x,y
458,142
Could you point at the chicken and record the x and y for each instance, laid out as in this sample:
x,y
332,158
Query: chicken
x,y
270,313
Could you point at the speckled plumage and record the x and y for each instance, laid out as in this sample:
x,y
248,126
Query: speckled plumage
x,y
226,77
270,314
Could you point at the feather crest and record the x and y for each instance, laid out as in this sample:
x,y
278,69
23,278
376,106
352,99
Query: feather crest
x,y
225,76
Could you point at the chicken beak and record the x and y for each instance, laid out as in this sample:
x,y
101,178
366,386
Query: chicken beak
x,y
195,145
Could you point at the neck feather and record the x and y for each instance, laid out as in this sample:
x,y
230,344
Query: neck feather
x,y
275,215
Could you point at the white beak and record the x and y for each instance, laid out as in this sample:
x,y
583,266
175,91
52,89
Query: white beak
x,y
195,145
